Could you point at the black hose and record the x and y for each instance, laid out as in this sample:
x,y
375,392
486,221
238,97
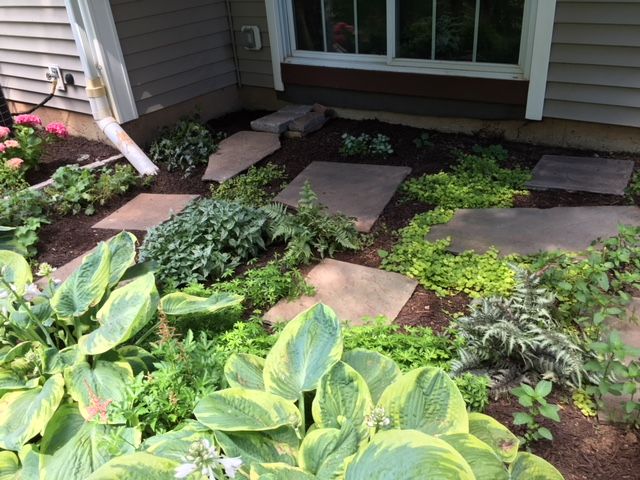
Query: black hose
x,y
54,84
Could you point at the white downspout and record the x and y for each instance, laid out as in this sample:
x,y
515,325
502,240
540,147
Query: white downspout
x,y
85,37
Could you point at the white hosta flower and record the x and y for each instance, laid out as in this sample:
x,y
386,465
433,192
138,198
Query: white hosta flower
x,y
31,292
231,465
186,469
378,418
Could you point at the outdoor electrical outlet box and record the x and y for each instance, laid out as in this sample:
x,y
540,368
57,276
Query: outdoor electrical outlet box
x,y
251,37
54,72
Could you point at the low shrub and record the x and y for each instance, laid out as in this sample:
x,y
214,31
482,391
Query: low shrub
x,y
477,181
206,242
185,146
436,269
535,401
25,212
311,231
11,180
75,189
251,187
423,141
474,390
365,144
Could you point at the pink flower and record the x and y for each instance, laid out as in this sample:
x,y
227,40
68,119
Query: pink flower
x,y
14,163
28,119
4,132
12,144
58,129
97,407
2,147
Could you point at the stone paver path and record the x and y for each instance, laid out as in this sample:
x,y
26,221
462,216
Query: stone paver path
x,y
278,122
352,291
583,174
531,230
356,190
238,152
145,211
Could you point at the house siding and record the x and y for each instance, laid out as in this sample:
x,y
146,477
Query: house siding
x,y
174,51
33,35
255,66
594,71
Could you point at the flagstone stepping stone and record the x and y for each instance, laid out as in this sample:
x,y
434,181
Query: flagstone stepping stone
x,y
145,211
582,174
238,152
530,230
278,122
354,292
357,190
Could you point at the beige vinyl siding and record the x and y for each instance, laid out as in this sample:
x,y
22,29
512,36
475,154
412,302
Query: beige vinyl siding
x,y
255,66
594,72
174,50
33,35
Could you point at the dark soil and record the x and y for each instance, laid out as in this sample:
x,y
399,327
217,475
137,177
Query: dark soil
x,y
69,151
582,449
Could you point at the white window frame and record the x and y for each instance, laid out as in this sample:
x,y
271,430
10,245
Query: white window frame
x,y
537,29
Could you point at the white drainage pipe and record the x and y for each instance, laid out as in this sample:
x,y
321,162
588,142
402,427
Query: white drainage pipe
x,y
85,37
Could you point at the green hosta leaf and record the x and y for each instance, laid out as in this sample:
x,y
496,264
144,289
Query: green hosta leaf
x,y
305,350
273,446
57,360
30,461
425,399
408,455
86,285
9,465
342,394
122,249
25,414
10,381
494,434
179,303
15,270
377,370
530,467
16,352
108,381
71,448
324,451
245,370
278,471
486,465
139,359
239,409
136,466
127,310
175,444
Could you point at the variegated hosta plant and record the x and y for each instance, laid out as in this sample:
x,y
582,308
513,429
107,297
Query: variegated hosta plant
x,y
64,359
366,420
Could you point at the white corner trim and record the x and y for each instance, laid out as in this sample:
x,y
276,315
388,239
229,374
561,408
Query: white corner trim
x,y
274,18
541,54
102,38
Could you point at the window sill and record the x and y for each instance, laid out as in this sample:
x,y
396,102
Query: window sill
x,y
424,67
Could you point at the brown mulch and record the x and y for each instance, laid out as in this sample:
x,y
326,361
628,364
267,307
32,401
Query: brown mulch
x,y
66,152
582,449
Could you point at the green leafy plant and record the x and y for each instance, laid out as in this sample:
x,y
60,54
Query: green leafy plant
x,y
250,188
11,180
423,141
477,181
583,402
616,375
365,144
207,241
311,232
185,146
535,401
474,390
75,189
24,212
64,357
365,416
431,264
510,337
493,151
633,189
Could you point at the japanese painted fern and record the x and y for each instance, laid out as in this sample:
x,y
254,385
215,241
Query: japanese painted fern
x,y
517,338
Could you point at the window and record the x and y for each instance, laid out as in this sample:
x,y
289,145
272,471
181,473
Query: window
x,y
472,36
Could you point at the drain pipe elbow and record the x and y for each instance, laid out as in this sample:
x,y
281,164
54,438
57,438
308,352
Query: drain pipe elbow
x,y
130,149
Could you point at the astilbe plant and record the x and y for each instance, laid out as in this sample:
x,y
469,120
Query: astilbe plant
x,y
512,337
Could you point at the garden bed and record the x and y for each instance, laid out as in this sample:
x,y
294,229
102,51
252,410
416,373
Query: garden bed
x,y
582,448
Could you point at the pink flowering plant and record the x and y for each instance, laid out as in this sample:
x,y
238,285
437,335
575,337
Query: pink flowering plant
x,y
27,140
